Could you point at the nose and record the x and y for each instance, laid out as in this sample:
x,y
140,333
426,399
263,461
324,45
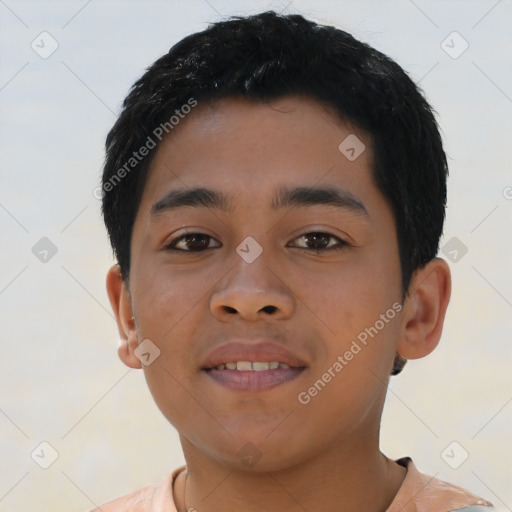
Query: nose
x,y
252,291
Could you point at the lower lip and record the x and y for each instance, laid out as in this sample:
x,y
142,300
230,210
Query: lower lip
x,y
254,381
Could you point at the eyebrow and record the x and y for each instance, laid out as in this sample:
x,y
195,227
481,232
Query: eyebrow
x,y
324,196
285,197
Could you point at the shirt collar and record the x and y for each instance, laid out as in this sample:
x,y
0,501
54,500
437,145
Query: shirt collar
x,y
423,493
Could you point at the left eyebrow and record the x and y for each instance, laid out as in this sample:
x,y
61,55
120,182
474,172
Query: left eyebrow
x,y
201,197
325,196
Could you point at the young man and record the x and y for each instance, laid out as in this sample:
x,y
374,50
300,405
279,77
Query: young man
x,y
274,192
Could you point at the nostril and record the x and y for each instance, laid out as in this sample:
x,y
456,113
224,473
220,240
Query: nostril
x,y
266,309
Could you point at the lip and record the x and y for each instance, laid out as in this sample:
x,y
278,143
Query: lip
x,y
259,350
253,381
255,350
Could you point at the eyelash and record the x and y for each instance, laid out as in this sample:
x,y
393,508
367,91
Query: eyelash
x,y
341,244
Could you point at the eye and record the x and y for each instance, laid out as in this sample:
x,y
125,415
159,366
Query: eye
x,y
318,241
192,242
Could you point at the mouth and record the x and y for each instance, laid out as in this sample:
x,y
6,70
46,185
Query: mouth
x,y
252,366
258,367
253,375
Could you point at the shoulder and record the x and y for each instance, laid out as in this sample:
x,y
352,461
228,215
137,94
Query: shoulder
x,y
423,493
136,501
476,508
151,498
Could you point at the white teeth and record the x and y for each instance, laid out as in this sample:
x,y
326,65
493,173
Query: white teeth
x,y
256,366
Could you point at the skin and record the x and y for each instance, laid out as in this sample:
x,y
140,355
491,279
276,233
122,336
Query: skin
x,y
323,455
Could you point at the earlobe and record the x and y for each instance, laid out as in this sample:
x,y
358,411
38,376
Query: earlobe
x,y
125,352
120,301
425,309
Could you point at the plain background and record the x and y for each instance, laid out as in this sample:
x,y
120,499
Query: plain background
x,y
60,379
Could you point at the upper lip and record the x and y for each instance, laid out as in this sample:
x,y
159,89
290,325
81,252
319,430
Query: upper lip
x,y
250,350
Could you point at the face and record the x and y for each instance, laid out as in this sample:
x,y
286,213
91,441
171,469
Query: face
x,y
288,255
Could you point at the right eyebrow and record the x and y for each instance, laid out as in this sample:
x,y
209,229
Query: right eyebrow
x,y
196,197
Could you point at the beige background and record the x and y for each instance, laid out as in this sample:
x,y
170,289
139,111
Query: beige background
x,y
60,379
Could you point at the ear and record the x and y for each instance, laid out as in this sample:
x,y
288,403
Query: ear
x,y
425,309
121,303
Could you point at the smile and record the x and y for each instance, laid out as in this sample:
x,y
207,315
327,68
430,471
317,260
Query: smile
x,y
256,366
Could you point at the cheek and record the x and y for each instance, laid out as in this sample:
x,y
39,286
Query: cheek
x,y
353,306
164,298
347,296
168,308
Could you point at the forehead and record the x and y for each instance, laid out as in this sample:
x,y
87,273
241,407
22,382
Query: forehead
x,y
257,147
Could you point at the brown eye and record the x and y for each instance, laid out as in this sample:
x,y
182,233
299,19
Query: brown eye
x,y
319,241
192,242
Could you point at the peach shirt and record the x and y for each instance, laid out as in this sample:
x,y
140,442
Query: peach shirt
x,y
418,493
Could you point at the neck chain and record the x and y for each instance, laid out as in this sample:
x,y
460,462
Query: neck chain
x,y
185,495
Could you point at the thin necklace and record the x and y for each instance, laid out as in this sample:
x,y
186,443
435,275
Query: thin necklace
x,y
185,492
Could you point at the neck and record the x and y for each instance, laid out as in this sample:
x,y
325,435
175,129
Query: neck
x,y
342,479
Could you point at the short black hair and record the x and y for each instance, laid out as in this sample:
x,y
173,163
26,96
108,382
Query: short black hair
x,y
268,56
